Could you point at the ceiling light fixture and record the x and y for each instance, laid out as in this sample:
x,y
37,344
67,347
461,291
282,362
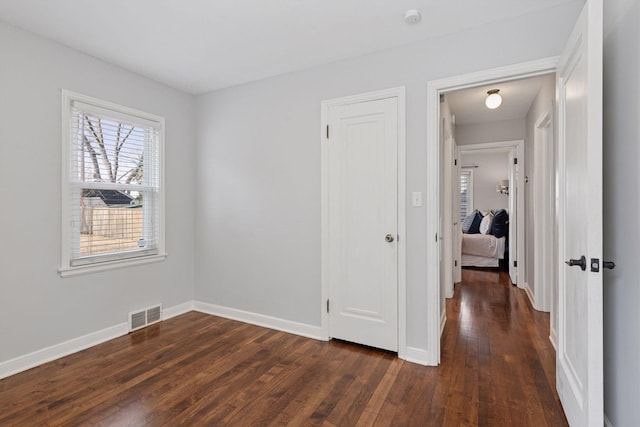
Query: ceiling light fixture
x,y
494,99
412,16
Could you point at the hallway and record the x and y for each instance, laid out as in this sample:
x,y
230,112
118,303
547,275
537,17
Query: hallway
x,y
497,354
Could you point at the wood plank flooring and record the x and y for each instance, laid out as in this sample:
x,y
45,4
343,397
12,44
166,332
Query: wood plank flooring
x,y
497,370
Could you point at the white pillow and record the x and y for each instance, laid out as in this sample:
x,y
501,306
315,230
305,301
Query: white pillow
x,y
485,225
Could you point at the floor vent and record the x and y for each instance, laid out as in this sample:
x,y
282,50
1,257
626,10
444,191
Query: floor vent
x,y
140,319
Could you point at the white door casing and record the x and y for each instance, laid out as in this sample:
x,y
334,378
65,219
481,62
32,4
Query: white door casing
x,y
434,89
516,200
362,271
579,356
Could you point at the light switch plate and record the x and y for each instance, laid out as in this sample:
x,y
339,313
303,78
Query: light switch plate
x,y
416,199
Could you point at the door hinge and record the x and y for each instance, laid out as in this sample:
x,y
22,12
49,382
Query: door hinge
x,y
515,160
436,237
327,131
515,263
455,263
455,162
327,305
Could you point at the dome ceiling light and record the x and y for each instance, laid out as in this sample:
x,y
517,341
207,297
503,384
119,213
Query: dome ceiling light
x,y
494,99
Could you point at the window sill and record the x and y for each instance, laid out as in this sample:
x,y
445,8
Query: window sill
x,y
111,265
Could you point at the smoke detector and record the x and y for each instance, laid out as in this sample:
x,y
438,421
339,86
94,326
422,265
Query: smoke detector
x,y
412,16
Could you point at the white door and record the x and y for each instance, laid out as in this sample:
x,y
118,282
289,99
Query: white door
x,y
579,372
363,223
513,215
448,220
457,221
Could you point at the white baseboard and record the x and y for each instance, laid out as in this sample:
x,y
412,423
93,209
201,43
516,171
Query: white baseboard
x,y
450,291
56,351
38,357
443,321
177,310
607,422
278,324
419,356
553,337
527,290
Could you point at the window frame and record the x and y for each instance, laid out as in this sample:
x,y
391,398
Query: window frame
x,y
108,263
465,171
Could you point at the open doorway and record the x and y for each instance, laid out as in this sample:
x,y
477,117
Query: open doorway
x,y
499,163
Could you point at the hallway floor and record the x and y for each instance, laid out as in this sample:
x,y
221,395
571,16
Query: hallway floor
x,y
497,355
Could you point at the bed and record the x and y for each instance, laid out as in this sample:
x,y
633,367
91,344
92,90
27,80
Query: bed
x,y
482,250
484,239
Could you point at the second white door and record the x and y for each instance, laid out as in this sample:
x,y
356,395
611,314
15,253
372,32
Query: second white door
x,y
363,222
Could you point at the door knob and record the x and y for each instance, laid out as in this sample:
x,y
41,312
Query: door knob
x,y
609,264
582,263
389,238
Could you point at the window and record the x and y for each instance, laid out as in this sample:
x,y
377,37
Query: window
x,y
466,193
112,207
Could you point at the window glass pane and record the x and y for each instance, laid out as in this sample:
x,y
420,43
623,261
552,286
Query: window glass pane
x,y
109,151
109,221
465,194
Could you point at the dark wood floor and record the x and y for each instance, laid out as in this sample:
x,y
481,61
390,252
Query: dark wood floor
x,y
497,370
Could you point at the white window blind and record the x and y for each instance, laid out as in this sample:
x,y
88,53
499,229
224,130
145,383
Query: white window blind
x,y
114,206
466,193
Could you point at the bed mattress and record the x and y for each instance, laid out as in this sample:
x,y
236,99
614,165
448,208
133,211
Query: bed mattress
x,y
479,261
483,245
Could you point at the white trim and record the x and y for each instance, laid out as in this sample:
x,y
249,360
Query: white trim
x,y
529,292
515,146
433,224
497,146
607,422
398,92
434,89
270,322
443,320
56,351
177,310
553,337
104,266
74,345
418,356
66,269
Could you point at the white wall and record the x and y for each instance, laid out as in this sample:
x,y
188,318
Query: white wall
x,y
504,130
544,101
37,307
492,169
258,205
621,211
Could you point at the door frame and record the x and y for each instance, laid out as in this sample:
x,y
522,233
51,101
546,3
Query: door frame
x,y
434,89
544,202
516,147
399,93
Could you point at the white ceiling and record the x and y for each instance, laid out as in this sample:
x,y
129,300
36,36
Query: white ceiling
x,y
468,104
202,45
